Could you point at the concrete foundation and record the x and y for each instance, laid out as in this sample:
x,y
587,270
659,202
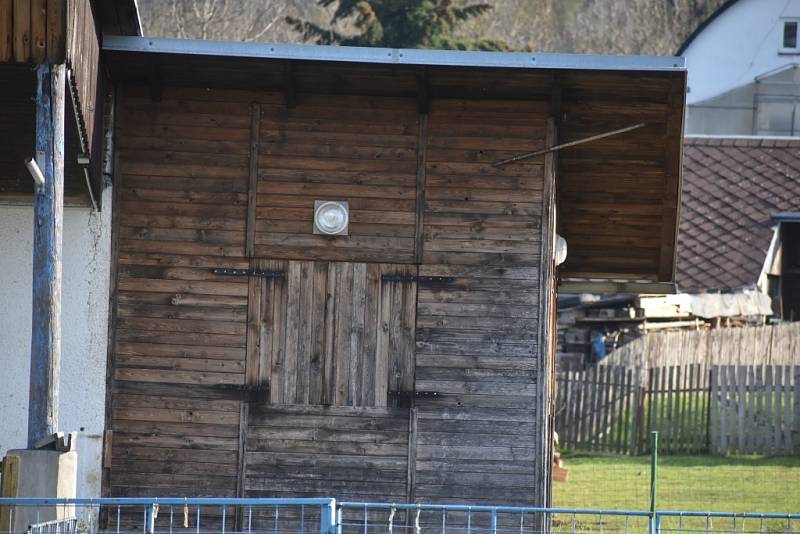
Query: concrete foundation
x,y
38,473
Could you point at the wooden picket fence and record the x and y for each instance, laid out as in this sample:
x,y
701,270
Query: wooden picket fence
x,y
599,409
755,409
696,409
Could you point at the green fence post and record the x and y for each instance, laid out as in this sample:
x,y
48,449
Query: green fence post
x,y
653,481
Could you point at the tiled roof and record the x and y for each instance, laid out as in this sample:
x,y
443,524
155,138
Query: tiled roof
x,y
731,186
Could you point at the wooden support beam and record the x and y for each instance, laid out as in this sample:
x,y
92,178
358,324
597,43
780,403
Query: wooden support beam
x,y
154,80
38,31
289,90
255,125
673,158
56,31
547,327
566,145
422,147
22,30
423,93
47,231
6,30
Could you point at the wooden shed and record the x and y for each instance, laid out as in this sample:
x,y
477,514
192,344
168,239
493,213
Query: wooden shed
x,y
411,358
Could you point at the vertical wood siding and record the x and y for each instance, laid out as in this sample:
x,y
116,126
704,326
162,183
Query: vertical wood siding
x,y
335,333
83,57
33,31
347,324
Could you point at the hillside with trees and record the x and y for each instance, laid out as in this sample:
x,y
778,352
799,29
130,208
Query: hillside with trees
x,y
581,26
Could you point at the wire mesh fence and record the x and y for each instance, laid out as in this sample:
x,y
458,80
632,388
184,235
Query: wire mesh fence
x,y
373,518
326,516
68,525
168,516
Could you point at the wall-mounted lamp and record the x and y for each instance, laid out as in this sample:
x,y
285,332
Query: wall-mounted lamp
x,y
561,250
331,217
36,174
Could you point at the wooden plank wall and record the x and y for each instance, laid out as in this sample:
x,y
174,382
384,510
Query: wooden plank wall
x,y
356,454
180,331
83,57
363,150
32,31
610,216
190,167
476,333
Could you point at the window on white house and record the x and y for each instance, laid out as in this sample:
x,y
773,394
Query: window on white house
x,y
789,42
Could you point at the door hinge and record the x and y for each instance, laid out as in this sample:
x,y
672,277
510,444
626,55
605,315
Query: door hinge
x,y
405,395
247,392
416,278
248,272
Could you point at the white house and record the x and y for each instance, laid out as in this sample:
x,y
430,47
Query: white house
x,y
743,70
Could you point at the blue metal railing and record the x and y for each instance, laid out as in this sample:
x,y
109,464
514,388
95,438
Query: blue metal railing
x,y
178,515
68,525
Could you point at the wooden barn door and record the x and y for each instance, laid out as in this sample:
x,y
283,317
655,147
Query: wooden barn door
x,y
334,342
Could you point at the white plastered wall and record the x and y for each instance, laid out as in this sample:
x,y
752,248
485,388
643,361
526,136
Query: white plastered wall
x,y
84,323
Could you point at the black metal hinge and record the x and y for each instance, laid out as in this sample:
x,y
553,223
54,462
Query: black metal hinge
x,y
249,272
249,393
414,394
416,278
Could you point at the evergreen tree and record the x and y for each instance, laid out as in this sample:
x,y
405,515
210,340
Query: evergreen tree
x,y
399,24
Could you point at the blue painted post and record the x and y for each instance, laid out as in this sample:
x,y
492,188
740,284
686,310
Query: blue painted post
x,y
47,228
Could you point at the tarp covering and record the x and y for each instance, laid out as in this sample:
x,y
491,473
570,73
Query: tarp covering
x,y
744,303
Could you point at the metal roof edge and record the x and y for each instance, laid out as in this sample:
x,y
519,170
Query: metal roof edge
x,y
352,54
785,216
743,137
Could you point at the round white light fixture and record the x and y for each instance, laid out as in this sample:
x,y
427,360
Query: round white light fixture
x,y
561,250
331,217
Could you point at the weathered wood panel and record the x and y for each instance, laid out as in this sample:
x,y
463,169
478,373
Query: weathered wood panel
x,y
477,316
476,214
753,409
695,408
359,149
179,351
83,60
761,345
596,200
356,453
338,334
424,373
32,31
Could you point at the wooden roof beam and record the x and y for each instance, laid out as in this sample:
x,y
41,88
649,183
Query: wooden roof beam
x,y
154,80
423,91
289,86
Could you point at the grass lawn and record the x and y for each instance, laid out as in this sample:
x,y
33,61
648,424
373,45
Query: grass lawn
x,y
729,484
700,483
